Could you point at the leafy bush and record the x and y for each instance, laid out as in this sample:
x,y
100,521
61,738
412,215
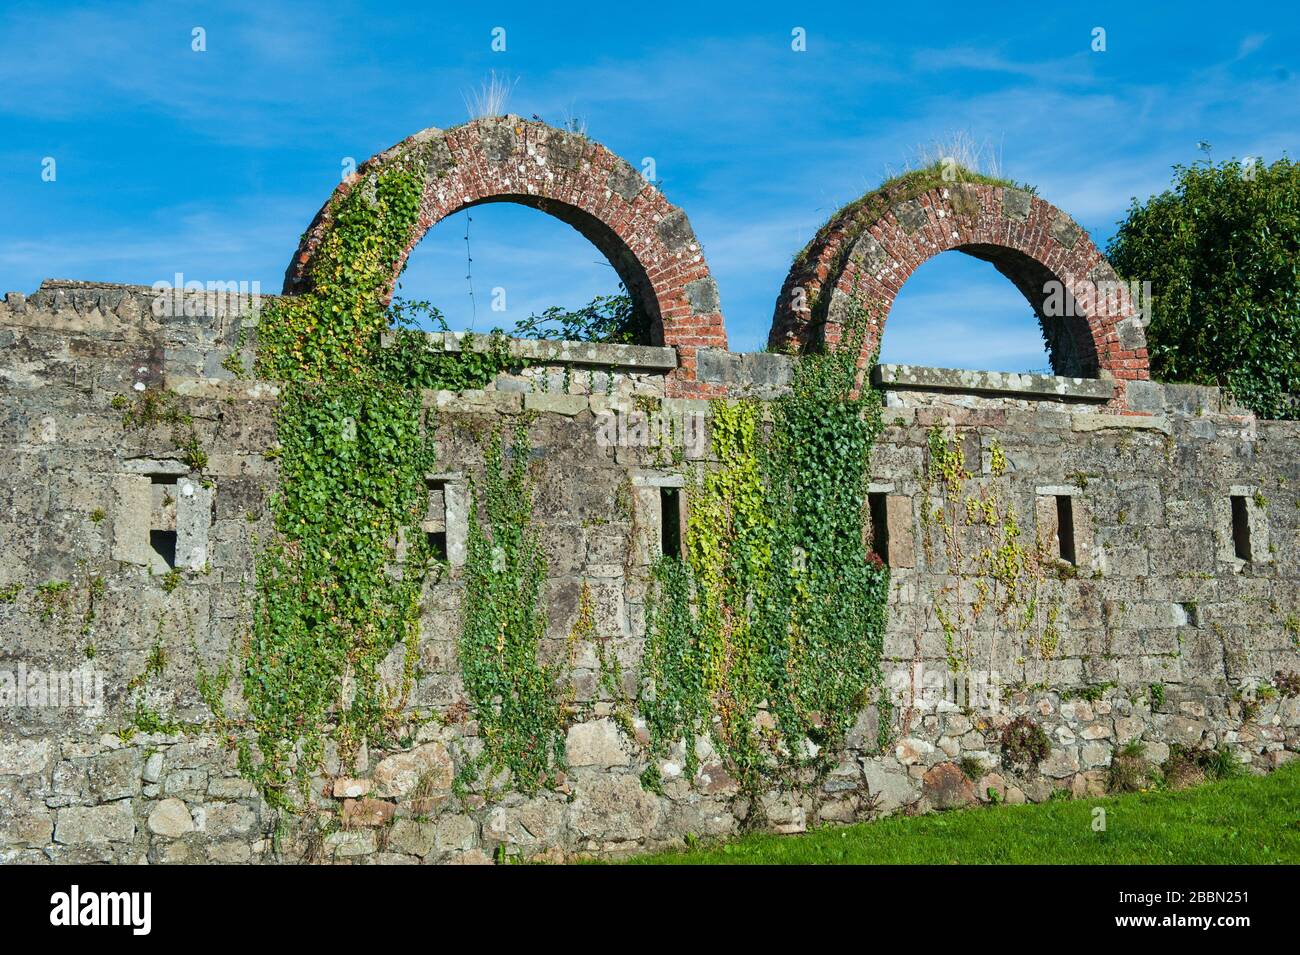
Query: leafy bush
x,y
608,319
1220,249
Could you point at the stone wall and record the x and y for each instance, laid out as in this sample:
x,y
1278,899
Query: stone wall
x,y
1167,626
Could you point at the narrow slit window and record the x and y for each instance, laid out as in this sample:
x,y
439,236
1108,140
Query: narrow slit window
x,y
162,521
1065,527
1240,527
435,518
437,544
879,525
670,509
164,545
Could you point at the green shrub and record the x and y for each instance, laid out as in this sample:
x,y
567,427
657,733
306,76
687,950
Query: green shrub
x,y
1220,250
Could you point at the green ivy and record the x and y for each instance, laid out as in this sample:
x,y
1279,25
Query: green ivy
x,y
675,701
513,696
333,599
329,606
769,634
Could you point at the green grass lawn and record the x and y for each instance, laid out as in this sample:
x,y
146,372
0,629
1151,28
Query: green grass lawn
x,y
1253,819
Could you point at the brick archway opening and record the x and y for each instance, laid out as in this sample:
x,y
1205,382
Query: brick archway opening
x,y
865,253
648,241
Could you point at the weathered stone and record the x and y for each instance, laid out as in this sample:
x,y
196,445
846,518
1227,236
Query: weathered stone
x,y
152,771
625,180
367,812
345,788
597,743
23,757
1181,729
785,813
991,783
947,787
702,295
1156,752
113,822
1096,731
911,751
1015,204
1128,728
471,857
910,214
1091,783
349,843
614,808
231,788
1062,761
30,828
231,853
226,819
1095,754
675,232
1065,231
454,833
186,782
410,837
428,767
171,818
715,780
115,775
1077,711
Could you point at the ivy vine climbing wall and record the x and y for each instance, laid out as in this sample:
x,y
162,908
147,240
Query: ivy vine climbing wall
x,y
333,599
973,532
768,635
515,698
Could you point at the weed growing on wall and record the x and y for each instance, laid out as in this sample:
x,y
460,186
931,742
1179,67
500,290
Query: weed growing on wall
x,y
974,534
934,174
769,634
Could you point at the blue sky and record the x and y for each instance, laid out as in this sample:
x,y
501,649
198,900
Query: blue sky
x,y
213,163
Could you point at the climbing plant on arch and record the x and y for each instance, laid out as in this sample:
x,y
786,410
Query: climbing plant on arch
x,y
870,247
648,241
354,441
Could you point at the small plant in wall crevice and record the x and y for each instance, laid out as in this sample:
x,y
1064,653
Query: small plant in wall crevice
x,y
1024,742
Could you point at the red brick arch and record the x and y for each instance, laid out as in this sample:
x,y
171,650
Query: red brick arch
x,y
647,240
868,250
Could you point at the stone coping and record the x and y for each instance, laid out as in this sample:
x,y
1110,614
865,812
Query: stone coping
x,y
648,358
1006,383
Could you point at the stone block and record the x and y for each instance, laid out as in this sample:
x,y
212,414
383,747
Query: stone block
x,y
596,743
95,825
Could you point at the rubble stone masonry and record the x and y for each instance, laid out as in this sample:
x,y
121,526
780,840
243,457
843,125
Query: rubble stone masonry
x,y
1177,613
